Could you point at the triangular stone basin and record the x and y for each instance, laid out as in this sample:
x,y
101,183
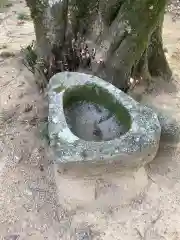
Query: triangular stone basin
x,y
91,121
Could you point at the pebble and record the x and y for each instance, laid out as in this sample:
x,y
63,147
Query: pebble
x,y
12,237
28,108
83,235
173,7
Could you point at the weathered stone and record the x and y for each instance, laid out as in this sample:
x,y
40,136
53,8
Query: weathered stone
x,y
12,237
170,127
135,146
83,234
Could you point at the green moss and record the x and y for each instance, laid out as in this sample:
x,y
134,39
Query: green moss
x,y
23,16
59,89
38,9
95,94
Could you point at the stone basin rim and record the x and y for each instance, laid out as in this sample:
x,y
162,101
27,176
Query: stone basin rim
x,y
65,80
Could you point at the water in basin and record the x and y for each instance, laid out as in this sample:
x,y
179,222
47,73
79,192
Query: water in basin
x,y
93,122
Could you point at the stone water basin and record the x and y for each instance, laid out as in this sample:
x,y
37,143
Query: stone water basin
x,y
91,121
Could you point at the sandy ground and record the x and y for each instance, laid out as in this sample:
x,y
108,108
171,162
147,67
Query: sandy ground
x,y
32,206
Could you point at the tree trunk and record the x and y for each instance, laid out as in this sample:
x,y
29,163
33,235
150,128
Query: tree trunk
x,y
127,35
157,63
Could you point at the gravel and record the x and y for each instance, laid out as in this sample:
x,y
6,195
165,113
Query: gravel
x,y
173,7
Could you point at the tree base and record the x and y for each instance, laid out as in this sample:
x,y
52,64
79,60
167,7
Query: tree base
x,y
130,43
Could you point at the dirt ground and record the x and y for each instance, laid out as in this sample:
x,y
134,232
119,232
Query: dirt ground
x,y
33,206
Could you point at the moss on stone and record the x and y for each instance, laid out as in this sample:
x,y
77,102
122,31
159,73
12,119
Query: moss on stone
x,y
95,94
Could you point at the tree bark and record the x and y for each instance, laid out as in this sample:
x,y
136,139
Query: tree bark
x,y
158,65
127,35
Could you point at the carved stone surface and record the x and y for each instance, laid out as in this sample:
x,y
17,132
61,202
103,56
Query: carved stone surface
x,y
135,146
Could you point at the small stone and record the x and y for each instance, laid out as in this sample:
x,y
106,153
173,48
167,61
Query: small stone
x,y
33,121
12,237
20,22
41,167
21,95
16,158
83,235
61,170
3,46
21,84
6,54
28,108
